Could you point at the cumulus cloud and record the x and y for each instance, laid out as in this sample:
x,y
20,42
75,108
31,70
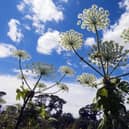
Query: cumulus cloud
x,y
40,11
77,96
115,30
14,33
89,41
6,50
48,42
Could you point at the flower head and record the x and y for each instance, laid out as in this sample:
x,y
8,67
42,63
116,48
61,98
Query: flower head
x,y
41,85
125,35
71,39
42,69
66,70
21,54
94,18
110,52
63,87
87,79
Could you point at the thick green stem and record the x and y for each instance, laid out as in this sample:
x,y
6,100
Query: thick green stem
x,y
99,51
21,112
107,68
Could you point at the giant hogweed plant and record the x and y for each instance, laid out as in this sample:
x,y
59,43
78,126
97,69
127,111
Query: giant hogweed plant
x,y
104,58
27,92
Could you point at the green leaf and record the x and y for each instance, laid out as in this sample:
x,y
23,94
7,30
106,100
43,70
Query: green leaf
x,y
102,92
43,112
124,86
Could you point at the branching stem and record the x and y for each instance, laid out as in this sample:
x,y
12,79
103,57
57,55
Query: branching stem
x,y
86,62
22,74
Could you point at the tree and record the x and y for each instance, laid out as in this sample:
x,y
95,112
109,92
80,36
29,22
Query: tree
x,y
105,58
53,104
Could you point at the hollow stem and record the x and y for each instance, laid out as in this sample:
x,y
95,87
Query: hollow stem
x,y
98,46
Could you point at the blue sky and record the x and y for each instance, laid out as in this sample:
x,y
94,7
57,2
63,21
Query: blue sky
x,y
35,25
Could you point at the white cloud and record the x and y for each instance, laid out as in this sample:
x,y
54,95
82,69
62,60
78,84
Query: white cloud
x,y
21,6
68,62
77,96
9,84
15,33
40,11
124,4
89,41
49,42
6,50
115,30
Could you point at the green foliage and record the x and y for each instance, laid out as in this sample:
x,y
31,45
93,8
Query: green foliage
x,y
21,93
43,112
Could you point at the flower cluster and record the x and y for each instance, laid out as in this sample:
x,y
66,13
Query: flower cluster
x,y
21,54
87,79
125,35
93,18
63,87
71,39
111,52
66,70
42,69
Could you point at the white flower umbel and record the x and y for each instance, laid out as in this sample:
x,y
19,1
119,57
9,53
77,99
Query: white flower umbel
x,y
71,39
93,18
66,70
63,87
87,79
125,35
21,54
42,69
111,53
